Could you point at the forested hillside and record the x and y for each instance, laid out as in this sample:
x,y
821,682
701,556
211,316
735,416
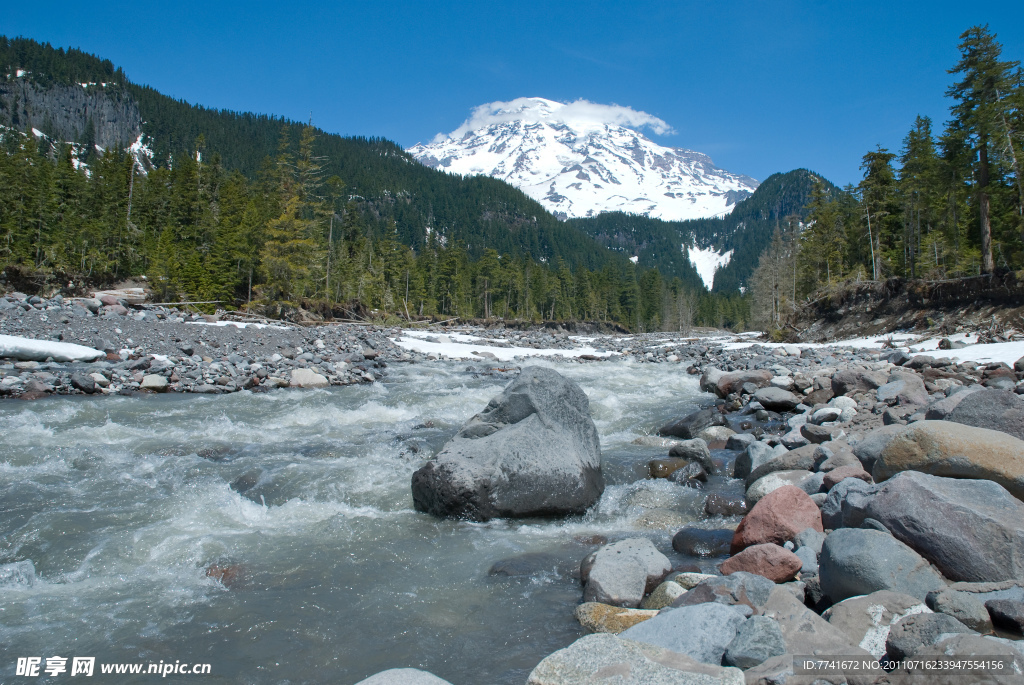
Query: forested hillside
x,y
948,204
241,207
746,231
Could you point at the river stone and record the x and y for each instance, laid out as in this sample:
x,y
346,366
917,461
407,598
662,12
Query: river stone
x,y
701,542
307,378
857,381
961,647
663,468
836,476
663,595
844,457
800,459
736,589
972,530
692,474
154,383
83,382
604,618
740,441
1007,614
533,451
866,620
701,631
993,409
909,634
944,448
805,480
757,640
777,518
846,503
403,676
816,435
856,561
756,453
775,563
694,450
529,564
963,606
940,409
713,434
725,383
826,414
603,657
810,537
718,504
622,572
776,399
689,426
804,631
871,445
904,389
808,561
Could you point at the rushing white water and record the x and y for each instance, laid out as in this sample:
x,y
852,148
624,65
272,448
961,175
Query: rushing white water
x,y
321,569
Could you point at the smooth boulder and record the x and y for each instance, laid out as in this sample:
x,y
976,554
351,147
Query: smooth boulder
x,y
604,618
775,563
972,530
866,620
776,399
757,640
777,518
944,448
608,658
689,426
857,561
993,409
533,451
701,632
910,634
621,573
403,676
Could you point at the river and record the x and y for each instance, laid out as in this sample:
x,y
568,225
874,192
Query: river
x,y
273,535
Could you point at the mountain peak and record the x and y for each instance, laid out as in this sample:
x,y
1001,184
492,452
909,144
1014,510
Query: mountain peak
x,y
582,158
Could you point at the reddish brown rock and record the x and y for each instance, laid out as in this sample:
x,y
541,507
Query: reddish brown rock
x,y
771,561
776,518
844,472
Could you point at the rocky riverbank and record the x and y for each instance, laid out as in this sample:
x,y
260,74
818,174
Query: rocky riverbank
x,y
882,518
160,349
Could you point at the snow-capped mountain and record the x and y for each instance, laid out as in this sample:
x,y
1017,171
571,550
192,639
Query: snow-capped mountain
x,y
582,158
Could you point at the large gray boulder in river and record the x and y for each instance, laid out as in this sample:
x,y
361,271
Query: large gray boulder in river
x,y
533,451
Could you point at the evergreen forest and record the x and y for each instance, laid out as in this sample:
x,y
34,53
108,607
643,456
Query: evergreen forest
x,y
948,204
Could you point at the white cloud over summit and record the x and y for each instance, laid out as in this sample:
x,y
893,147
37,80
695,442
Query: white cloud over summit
x,y
580,114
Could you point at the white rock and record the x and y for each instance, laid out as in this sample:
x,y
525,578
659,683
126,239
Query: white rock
x,y
784,382
843,402
307,378
154,382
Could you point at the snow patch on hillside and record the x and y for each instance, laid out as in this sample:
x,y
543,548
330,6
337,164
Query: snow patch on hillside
x,y
707,261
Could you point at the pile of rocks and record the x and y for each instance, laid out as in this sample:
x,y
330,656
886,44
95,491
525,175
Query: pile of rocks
x,y
158,349
884,520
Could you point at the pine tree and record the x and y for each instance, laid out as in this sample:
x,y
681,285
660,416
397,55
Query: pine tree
x,y
982,106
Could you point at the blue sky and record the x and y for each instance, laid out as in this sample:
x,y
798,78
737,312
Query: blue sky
x,y
759,86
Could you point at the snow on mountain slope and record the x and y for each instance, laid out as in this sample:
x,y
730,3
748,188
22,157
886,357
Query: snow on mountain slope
x,y
707,261
582,158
